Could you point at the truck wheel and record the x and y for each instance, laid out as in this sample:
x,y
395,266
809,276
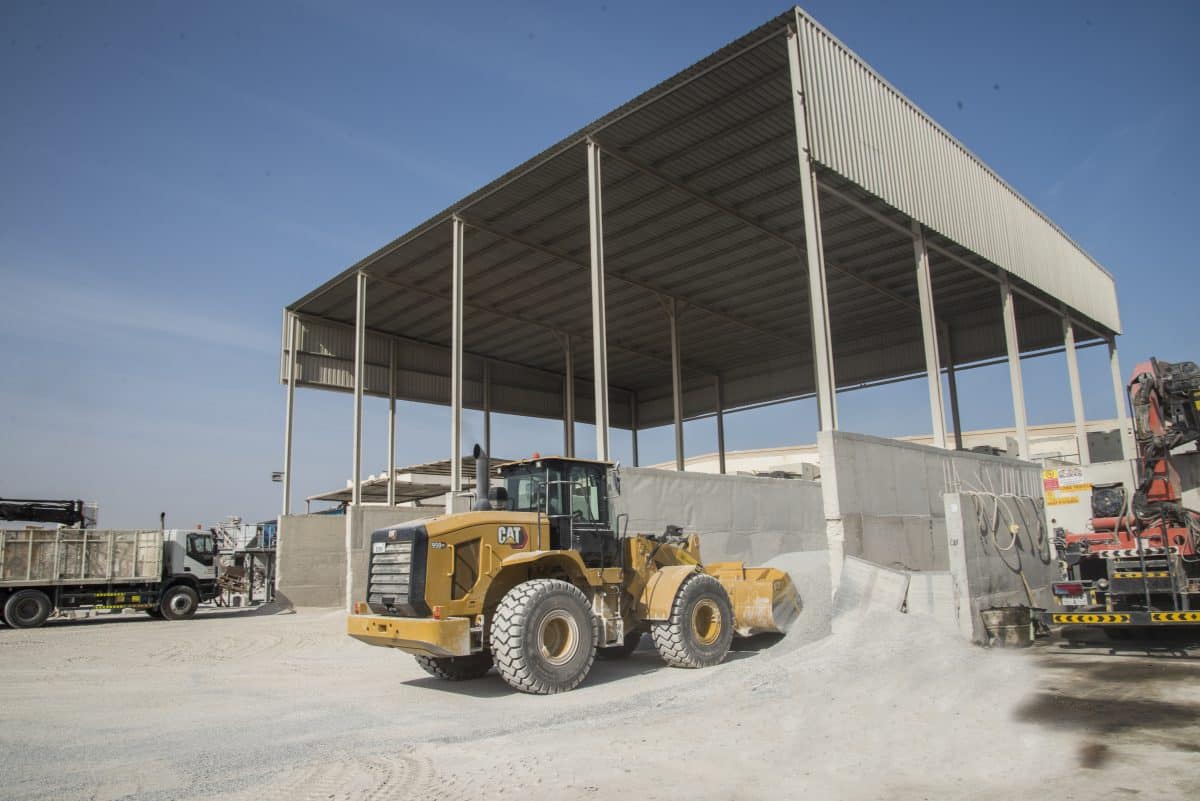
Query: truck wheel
x,y
456,668
179,603
700,628
632,639
27,609
155,613
543,637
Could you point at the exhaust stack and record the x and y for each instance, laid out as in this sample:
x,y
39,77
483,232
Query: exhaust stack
x,y
482,480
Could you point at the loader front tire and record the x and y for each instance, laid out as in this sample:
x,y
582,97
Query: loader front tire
x,y
456,668
700,628
543,637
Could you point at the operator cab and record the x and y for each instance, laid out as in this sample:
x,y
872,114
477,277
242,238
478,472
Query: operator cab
x,y
573,493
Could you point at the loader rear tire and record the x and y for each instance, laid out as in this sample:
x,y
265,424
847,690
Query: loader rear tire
x,y
700,628
632,640
543,637
456,668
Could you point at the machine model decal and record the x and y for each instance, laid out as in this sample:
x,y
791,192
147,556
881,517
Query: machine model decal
x,y
514,536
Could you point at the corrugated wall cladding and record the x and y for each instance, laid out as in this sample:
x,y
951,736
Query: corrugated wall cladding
x,y
862,128
325,359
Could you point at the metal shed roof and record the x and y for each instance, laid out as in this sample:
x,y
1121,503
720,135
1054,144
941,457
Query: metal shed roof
x,y
702,206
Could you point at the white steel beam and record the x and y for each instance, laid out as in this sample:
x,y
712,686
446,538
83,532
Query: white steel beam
x,y
293,337
720,425
360,351
1128,447
1014,367
599,312
1085,455
633,424
487,407
568,397
456,352
391,486
933,371
818,294
676,381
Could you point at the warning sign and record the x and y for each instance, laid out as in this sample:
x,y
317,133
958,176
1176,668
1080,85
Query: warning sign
x,y
1064,479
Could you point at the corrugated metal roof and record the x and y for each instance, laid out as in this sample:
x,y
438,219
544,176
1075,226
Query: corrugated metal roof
x,y
702,204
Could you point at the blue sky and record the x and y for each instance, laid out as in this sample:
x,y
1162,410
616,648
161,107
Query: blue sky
x,y
173,174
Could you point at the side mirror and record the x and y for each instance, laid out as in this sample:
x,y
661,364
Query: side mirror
x,y
615,480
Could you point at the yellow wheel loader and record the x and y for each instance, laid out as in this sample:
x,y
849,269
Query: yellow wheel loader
x,y
537,581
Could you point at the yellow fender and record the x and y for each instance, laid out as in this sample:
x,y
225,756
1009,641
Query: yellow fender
x,y
659,594
570,561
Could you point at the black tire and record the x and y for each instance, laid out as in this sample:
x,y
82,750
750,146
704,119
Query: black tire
x,y
27,609
543,637
632,640
155,613
179,603
700,628
456,668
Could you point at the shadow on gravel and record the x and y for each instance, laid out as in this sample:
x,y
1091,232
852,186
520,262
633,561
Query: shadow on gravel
x,y
204,613
641,662
1102,716
1183,642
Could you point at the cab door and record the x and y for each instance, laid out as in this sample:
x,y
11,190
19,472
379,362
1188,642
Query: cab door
x,y
200,555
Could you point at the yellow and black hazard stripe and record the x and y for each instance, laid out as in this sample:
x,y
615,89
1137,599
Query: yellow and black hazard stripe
x,y
1093,617
1175,617
1137,574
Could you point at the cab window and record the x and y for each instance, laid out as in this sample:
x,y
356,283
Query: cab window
x,y
587,495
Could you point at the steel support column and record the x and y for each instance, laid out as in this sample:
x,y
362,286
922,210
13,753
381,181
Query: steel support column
x,y
1081,440
720,391
952,386
599,314
360,355
391,485
818,295
933,370
487,407
293,337
676,380
1128,447
1014,367
457,235
633,424
568,397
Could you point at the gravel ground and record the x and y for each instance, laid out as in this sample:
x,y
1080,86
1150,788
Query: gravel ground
x,y
254,705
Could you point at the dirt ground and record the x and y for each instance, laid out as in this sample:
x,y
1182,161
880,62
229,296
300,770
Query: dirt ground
x,y
253,704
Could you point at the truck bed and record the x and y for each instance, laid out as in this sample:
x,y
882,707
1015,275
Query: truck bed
x,y
48,557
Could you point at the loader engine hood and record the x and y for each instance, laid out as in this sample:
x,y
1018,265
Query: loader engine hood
x,y
396,571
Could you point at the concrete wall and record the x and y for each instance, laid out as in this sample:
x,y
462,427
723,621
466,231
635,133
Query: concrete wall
x,y
310,560
737,517
322,559
883,498
1000,555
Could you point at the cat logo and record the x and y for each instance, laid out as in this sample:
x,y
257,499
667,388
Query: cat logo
x,y
513,536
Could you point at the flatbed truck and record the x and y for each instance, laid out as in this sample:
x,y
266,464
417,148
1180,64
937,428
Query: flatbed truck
x,y
166,573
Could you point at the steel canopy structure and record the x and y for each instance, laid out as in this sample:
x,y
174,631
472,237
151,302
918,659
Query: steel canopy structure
x,y
774,222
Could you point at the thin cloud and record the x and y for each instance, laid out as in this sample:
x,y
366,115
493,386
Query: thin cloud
x,y
87,313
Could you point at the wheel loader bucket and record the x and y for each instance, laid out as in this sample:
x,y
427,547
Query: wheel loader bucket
x,y
764,598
